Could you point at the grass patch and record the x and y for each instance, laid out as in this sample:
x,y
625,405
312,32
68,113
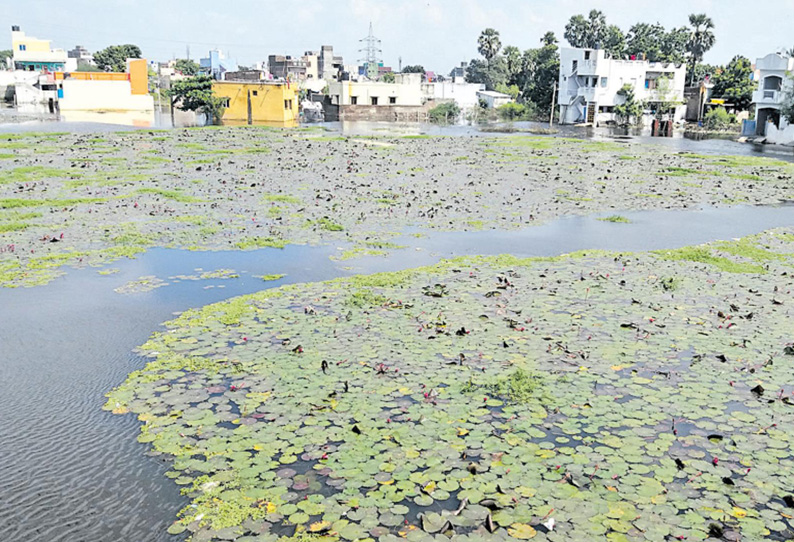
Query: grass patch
x,y
281,198
8,227
616,219
706,256
249,243
327,224
746,248
366,298
15,203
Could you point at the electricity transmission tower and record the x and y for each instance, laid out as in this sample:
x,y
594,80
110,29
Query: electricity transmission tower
x,y
372,54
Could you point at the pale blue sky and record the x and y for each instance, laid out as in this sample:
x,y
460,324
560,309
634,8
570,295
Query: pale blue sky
x,y
436,33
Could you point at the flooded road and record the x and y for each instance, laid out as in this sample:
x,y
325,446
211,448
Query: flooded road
x,y
72,471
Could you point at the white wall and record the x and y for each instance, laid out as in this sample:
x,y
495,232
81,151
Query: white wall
x,y
598,79
405,94
102,96
464,94
783,135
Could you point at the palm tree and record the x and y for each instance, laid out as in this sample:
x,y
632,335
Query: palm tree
x,y
548,39
790,52
701,39
489,44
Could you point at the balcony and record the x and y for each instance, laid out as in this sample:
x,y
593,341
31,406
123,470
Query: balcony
x,y
587,67
772,97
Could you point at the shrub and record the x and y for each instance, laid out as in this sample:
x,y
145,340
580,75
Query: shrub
x,y
511,111
718,119
444,113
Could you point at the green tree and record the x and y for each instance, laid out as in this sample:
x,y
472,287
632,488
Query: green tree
x,y
186,66
387,77
414,69
114,58
630,111
196,94
489,44
734,83
645,39
614,42
5,55
589,33
487,73
674,45
541,69
664,97
701,39
549,39
513,63
511,90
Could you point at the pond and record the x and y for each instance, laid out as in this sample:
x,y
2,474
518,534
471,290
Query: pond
x,y
72,471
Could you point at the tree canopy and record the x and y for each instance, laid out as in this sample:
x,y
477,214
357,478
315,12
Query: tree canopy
x,y
529,75
415,68
734,83
196,94
701,39
587,33
186,66
114,58
489,44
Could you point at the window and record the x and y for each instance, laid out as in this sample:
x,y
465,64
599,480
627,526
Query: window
x,y
374,100
392,99
574,65
354,100
255,93
225,102
287,104
587,55
603,82
23,47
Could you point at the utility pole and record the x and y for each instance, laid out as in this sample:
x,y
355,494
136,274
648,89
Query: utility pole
x,y
551,117
188,51
400,63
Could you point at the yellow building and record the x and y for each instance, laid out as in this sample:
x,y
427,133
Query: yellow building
x,y
33,54
262,101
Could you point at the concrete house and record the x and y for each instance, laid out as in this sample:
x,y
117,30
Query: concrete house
x,y
404,99
261,101
493,99
774,82
217,64
33,54
589,83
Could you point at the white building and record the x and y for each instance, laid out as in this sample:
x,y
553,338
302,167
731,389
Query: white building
x,y
589,84
774,82
406,90
493,99
462,93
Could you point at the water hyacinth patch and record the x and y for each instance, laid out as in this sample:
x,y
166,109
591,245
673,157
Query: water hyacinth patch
x,y
490,398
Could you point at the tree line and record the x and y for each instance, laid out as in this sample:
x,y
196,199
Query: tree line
x,y
529,76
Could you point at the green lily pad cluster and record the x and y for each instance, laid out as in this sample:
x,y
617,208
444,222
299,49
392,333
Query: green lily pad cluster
x,y
494,398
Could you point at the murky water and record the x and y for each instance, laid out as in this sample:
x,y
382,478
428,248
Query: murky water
x,y
72,472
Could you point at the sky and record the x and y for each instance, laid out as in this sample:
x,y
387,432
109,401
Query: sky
x,y
438,34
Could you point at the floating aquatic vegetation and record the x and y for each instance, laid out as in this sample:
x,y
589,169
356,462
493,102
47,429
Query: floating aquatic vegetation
x,y
571,398
250,188
143,284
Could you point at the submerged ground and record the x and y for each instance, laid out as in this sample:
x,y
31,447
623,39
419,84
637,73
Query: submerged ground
x,y
68,199
595,396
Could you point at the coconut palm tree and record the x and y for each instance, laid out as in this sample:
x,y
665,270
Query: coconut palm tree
x,y
489,44
701,38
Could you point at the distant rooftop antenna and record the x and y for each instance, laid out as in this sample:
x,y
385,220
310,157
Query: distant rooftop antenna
x,y
372,53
